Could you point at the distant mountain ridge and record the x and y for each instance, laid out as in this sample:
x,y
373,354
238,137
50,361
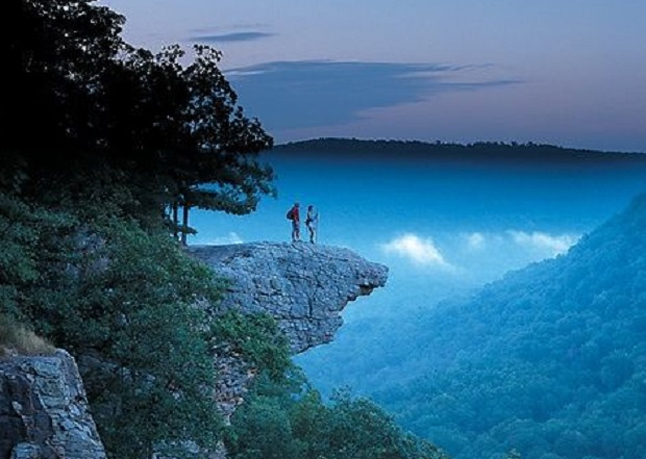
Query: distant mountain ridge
x,y
491,151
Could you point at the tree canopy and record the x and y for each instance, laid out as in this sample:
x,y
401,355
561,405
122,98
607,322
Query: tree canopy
x,y
295,423
164,129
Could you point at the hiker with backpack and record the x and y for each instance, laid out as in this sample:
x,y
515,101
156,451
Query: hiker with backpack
x,y
293,214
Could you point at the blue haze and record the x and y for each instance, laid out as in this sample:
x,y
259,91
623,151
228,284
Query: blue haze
x,y
482,220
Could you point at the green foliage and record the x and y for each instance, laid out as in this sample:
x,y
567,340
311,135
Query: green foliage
x,y
295,423
24,230
256,338
127,303
143,314
263,431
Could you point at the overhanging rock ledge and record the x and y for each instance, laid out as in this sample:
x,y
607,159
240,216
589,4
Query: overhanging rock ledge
x,y
303,286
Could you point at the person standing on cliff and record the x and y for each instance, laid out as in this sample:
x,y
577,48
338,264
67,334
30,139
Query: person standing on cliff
x,y
312,221
293,214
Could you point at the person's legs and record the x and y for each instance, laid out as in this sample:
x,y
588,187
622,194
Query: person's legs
x,y
296,234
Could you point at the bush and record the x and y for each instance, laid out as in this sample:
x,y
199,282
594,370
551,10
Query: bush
x,y
257,338
295,423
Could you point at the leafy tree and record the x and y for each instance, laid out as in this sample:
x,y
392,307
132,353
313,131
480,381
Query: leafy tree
x,y
53,55
257,338
118,125
263,431
291,421
179,129
22,228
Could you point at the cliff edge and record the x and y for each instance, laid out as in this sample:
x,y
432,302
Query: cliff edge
x,y
303,286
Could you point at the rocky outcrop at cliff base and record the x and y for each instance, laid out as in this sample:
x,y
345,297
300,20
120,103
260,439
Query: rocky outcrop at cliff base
x,y
43,410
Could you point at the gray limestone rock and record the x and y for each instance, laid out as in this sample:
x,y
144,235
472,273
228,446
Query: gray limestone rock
x,y
43,410
303,286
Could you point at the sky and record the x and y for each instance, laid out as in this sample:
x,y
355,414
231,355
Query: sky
x,y
563,72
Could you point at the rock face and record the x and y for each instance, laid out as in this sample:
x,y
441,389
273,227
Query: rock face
x,y
44,411
303,286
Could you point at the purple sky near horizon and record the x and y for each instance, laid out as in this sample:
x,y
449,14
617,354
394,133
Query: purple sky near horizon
x,y
564,72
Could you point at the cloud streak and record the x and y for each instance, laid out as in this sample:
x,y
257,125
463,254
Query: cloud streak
x,y
466,250
231,238
537,243
231,37
311,93
475,241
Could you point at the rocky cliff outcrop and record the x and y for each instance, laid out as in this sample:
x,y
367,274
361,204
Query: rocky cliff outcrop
x,y
44,411
43,407
303,286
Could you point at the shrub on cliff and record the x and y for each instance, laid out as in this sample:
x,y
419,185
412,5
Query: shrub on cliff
x,y
255,337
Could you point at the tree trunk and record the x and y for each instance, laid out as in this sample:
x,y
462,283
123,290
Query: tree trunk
x,y
175,217
185,209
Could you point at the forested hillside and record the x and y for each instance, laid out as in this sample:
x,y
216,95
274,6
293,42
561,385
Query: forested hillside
x,y
549,360
531,154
